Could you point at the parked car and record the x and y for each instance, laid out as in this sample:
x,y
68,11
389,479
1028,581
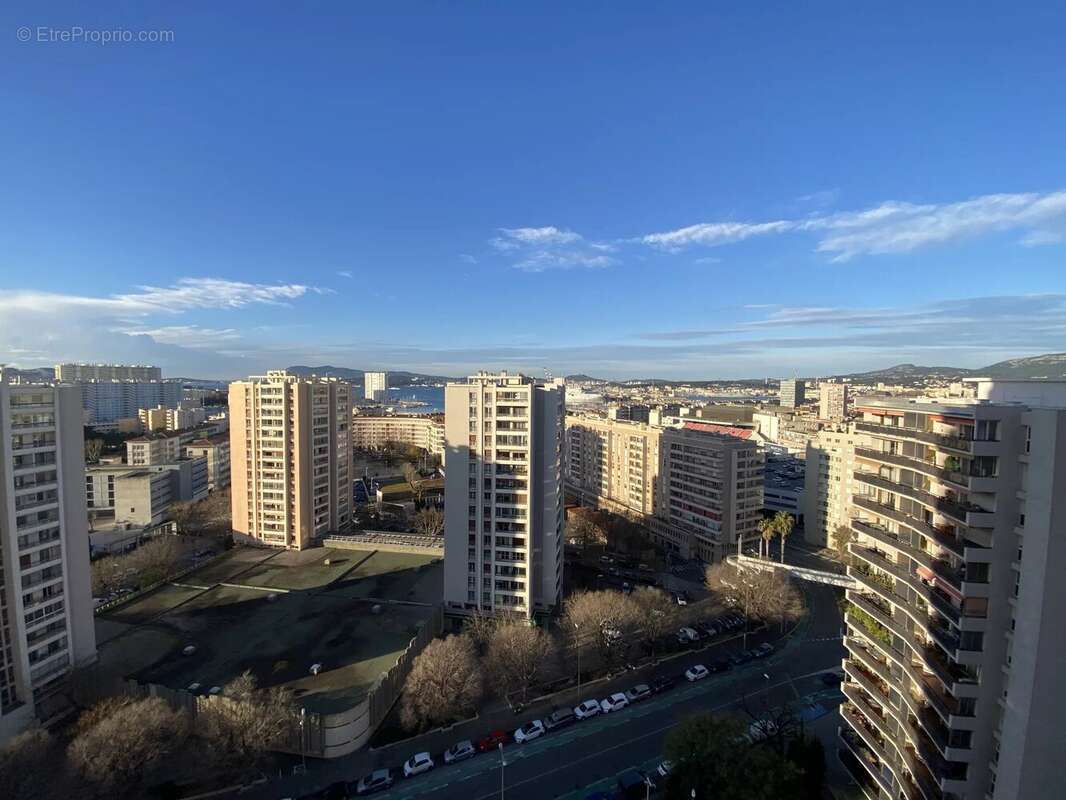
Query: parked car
x,y
661,684
586,709
492,741
460,751
763,650
832,678
761,729
697,672
529,731
376,781
639,692
740,658
680,599
707,629
616,702
559,719
338,790
664,769
417,764
721,665
686,635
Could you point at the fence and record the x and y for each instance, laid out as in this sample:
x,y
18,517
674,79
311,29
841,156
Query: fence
x,y
389,542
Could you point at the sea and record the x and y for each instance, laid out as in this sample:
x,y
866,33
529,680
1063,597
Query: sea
x,y
432,396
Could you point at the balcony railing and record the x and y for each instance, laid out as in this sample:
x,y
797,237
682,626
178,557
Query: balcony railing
x,y
943,538
899,432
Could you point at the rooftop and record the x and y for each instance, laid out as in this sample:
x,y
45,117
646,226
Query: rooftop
x,y
292,610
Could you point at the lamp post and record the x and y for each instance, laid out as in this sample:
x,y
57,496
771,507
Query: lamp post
x,y
303,739
502,765
577,644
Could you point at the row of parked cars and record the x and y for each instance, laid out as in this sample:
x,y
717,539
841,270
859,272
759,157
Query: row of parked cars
x,y
708,629
423,762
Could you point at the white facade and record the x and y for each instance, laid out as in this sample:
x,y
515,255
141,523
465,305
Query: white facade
x,y
107,401
46,620
833,401
375,386
373,432
954,633
830,466
79,373
503,495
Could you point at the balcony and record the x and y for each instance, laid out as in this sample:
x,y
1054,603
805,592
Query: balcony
x,y
943,537
962,443
869,776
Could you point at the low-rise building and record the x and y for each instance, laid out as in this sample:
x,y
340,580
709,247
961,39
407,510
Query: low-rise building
x,y
377,431
141,495
215,449
162,418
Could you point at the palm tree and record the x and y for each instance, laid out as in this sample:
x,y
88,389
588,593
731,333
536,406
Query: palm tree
x,y
783,523
768,532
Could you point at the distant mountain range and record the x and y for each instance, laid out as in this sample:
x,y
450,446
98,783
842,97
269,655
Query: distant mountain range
x,y
1051,366
397,379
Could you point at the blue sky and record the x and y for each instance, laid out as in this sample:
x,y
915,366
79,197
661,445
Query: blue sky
x,y
695,190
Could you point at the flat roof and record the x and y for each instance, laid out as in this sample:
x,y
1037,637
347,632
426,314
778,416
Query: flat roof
x,y
343,615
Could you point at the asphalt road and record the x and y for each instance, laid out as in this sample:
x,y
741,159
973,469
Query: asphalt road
x,y
588,755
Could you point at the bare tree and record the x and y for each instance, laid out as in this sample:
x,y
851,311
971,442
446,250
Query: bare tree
x,y
444,683
188,515
430,521
658,614
245,722
33,767
605,622
119,746
582,531
762,595
842,537
519,654
155,560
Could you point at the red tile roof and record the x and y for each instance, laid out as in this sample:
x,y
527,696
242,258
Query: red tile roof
x,y
725,430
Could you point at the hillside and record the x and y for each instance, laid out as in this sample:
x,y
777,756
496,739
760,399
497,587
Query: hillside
x,y
1050,366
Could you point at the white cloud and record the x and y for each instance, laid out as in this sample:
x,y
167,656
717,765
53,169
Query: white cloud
x,y
186,335
894,227
344,273
541,249
466,258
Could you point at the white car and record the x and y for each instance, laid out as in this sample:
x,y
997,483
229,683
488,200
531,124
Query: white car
x,y
589,708
664,769
697,672
639,692
529,731
417,764
761,729
616,702
686,635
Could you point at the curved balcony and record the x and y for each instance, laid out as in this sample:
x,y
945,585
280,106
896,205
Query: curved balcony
x,y
942,538
968,514
962,444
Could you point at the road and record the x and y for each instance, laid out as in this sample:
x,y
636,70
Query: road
x,y
588,755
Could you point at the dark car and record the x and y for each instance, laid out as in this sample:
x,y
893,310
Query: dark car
x,y
831,678
336,791
492,741
741,658
721,665
661,684
763,650
634,785
559,719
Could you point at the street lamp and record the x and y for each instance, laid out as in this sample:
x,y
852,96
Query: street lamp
x,y
303,739
502,765
577,644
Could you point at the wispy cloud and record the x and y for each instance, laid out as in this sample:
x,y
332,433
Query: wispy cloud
x,y
893,227
466,258
192,336
540,249
344,273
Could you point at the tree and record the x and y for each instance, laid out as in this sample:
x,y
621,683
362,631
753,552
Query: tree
x,y
604,622
711,757
808,754
94,448
658,614
783,524
188,516
519,654
444,684
32,767
762,594
480,627
767,532
120,744
842,537
429,521
245,722
582,531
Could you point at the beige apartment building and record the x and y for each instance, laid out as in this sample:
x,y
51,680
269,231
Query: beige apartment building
x,y
833,401
215,450
46,618
290,458
828,485
954,632
503,495
374,432
376,386
697,489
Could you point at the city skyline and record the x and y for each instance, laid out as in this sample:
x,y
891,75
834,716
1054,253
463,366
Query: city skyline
x,y
697,212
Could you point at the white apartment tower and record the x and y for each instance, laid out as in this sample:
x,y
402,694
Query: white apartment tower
x,y
954,633
375,386
792,393
46,618
833,401
828,487
503,495
81,373
290,458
